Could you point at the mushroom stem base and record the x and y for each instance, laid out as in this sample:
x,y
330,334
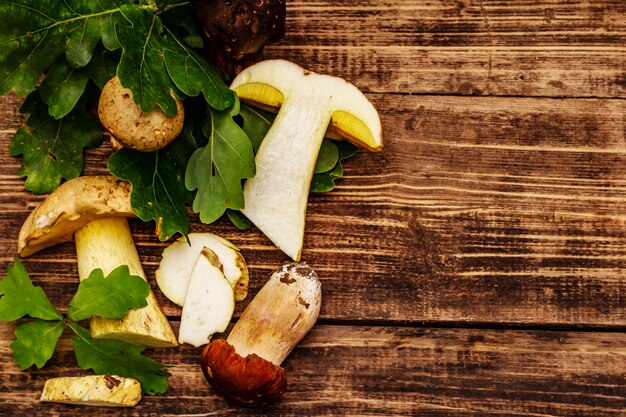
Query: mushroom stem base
x,y
106,244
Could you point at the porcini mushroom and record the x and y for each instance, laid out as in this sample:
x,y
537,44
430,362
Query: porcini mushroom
x,y
237,30
209,301
308,103
133,128
94,209
245,368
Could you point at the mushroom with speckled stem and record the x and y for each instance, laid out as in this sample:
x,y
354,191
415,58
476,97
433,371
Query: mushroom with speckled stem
x,y
245,368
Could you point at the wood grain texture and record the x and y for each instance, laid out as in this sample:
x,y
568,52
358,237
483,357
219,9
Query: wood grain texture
x,y
512,214
468,47
496,203
345,370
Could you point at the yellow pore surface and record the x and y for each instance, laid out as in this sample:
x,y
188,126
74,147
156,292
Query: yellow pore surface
x,y
343,125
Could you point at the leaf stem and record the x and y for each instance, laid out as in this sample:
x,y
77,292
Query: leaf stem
x,y
172,6
56,23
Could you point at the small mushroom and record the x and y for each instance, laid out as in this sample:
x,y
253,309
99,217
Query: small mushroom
x,y
245,368
93,210
133,128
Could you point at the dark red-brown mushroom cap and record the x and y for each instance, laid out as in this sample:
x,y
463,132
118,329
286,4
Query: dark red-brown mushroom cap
x,y
237,30
249,380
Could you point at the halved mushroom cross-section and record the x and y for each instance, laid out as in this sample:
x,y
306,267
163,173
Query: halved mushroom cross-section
x,y
93,209
310,104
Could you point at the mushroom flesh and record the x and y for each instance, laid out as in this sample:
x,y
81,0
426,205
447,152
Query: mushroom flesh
x,y
308,103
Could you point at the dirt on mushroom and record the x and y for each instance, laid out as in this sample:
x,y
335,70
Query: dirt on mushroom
x,y
133,128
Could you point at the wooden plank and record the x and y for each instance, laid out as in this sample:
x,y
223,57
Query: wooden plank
x,y
486,211
467,47
345,370
489,210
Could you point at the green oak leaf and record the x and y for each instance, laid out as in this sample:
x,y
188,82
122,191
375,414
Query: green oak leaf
x,y
35,342
119,358
321,183
52,149
63,87
336,172
324,182
158,191
34,34
103,65
239,219
182,17
19,297
196,42
155,63
192,74
95,20
327,157
183,23
141,67
217,169
158,182
256,123
346,150
109,297
161,4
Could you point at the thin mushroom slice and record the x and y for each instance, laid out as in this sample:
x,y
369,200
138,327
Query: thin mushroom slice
x,y
209,301
179,258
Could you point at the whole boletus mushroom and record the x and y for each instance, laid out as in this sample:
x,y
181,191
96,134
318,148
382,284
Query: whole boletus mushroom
x,y
245,368
93,211
133,128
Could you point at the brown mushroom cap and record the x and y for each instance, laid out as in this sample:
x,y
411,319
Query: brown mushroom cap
x,y
249,380
134,129
71,206
237,30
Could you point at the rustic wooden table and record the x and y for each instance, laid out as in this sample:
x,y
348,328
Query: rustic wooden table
x,y
475,267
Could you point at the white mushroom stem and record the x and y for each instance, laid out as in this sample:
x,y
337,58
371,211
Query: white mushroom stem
x,y
276,197
280,315
107,243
